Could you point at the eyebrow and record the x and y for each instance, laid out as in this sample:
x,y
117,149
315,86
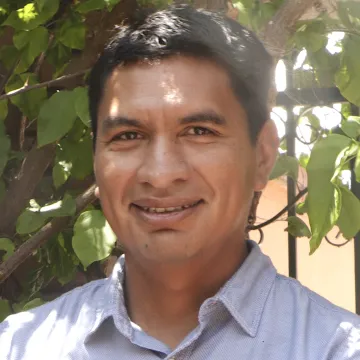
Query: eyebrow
x,y
203,117
111,123
212,117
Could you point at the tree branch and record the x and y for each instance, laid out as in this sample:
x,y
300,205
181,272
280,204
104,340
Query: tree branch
x,y
26,88
43,235
280,213
279,29
23,185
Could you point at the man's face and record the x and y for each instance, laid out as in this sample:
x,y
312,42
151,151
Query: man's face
x,y
174,163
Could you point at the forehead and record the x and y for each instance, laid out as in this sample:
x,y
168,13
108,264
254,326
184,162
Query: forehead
x,y
173,82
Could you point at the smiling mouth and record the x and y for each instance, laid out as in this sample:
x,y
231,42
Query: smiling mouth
x,y
167,210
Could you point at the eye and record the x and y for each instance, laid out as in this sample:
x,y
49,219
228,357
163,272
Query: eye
x,y
199,131
127,136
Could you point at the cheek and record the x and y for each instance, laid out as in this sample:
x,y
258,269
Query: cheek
x,y
113,175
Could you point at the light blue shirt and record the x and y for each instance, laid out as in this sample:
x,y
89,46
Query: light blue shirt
x,y
257,315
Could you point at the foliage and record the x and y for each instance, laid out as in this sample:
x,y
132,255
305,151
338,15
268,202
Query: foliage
x,y
49,34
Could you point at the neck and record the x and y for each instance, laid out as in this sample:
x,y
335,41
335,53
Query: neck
x,y
164,299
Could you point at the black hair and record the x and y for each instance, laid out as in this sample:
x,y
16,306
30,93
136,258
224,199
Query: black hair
x,y
183,30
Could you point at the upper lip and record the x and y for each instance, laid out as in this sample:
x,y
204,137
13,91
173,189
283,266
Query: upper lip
x,y
165,202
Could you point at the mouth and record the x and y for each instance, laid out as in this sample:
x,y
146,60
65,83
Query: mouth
x,y
167,210
161,217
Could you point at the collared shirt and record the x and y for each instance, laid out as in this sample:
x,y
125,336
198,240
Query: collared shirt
x,y
258,314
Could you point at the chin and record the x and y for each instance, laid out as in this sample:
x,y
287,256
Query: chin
x,y
169,246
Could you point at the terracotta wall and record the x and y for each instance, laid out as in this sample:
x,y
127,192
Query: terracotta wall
x,y
329,272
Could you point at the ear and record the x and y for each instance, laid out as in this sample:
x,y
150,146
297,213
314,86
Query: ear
x,y
97,192
266,154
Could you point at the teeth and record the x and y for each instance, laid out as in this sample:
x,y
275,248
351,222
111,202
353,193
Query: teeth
x,y
169,209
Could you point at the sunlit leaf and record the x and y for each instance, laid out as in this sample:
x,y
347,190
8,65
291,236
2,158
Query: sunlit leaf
x,y
285,165
82,105
304,159
357,167
351,127
56,117
347,79
311,35
64,207
30,16
324,199
79,155
297,227
61,172
29,221
93,238
302,208
349,219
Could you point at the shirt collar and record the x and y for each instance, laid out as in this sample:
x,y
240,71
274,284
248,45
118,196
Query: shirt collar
x,y
244,294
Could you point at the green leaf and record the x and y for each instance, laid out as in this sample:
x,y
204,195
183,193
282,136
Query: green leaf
x,y
30,16
311,36
349,13
59,56
349,219
2,189
342,160
65,207
72,34
40,4
93,238
302,208
3,109
111,3
33,303
244,8
297,227
351,127
29,221
63,262
82,105
5,310
357,167
285,165
56,118
31,43
90,5
29,102
347,79
304,159
7,246
61,172
324,199
4,147
9,56
78,154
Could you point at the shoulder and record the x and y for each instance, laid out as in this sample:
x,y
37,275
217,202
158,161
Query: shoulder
x,y
337,328
53,322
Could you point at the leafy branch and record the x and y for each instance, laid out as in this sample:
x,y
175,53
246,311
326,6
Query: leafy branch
x,y
43,235
26,88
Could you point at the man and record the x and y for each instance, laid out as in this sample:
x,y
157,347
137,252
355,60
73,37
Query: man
x,y
182,140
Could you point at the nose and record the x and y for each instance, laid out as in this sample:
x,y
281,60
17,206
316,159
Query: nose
x,y
164,164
